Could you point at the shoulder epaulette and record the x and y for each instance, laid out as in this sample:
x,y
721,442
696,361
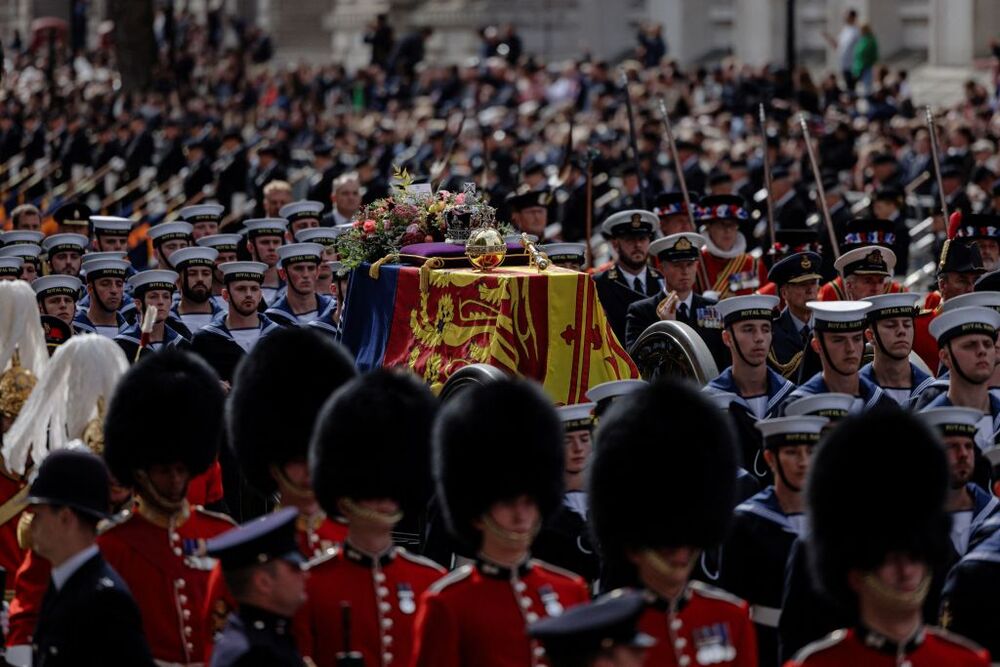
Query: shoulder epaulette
x,y
447,580
714,593
419,560
329,554
925,311
548,567
819,645
215,515
117,519
953,638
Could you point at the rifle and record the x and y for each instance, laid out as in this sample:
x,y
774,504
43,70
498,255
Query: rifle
x,y
347,657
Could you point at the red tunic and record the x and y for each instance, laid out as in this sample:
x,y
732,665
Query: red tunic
x,y
11,553
315,536
924,344
932,300
710,627
738,276
206,488
383,597
477,615
932,646
167,572
834,290
30,583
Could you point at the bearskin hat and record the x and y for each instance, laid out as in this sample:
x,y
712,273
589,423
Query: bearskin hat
x,y
183,388
495,442
278,390
372,440
863,501
664,472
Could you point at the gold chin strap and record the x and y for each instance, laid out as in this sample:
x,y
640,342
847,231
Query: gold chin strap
x,y
513,538
154,506
93,432
289,488
894,599
665,569
16,384
355,511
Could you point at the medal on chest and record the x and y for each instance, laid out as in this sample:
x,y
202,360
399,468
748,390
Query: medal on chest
x,y
745,280
407,603
550,600
712,644
708,318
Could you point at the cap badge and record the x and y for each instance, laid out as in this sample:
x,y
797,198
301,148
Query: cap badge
x,y
806,263
636,221
682,244
875,257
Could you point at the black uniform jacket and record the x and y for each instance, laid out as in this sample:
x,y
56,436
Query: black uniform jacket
x,y
256,638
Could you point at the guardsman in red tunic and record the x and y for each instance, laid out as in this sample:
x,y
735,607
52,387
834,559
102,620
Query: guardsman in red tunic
x,y
159,547
960,266
269,431
861,233
652,531
370,463
874,544
498,464
730,269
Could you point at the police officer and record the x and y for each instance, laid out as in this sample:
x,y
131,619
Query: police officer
x,y
158,548
874,545
225,341
678,257
890,331
495,506
106,289
692,622
796,278
838,338
765,526
602,633
168,238
151,289
65,253
264,569
630,279
759,390
300,304
57,296
88,615
365,471
264,237
203,218
195,306
565,540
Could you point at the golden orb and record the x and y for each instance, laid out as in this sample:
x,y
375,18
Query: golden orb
x,y
485,248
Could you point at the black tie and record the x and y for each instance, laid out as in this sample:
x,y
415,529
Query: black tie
x,y
804,331
638,286
682,312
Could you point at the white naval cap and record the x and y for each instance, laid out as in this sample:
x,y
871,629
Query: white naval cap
x,y
66,242
952,420
26,251
19,236
221,242
988,299
91,257
300,252
608,391
886,306
963,322
298,210
152,279
634,221
871,260
565,252
683,246
749,307
193,256
265,227
111,224
170,231
577,417
202,213
791,430
324,235
57,284
233,271
839,315
11,266
833,405
106,268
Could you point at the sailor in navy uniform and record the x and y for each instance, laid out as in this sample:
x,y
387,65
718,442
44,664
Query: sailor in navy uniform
x,y
57,295
832,405
796,278
890,331
10,268
203,218
970,505
631,278
31,263
264,237
106,289
838,338
765,527
966,337
565,540
326,237
300,304
151,289
229,337
226,245
567,255
64,253
127,309
301,215
606,394
759,390
168,238
262,550
678,256
88,616
193,306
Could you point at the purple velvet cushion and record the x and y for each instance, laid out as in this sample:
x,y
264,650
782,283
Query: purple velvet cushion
x,y
515,253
